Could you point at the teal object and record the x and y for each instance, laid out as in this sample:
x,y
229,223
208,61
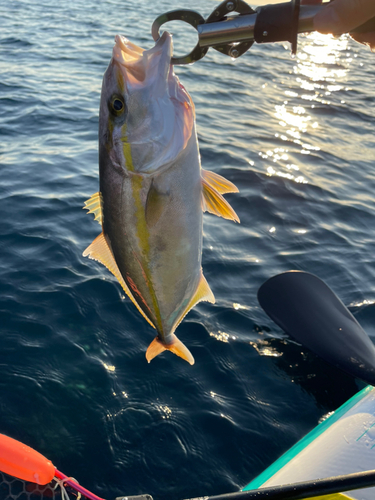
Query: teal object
x,y
305,441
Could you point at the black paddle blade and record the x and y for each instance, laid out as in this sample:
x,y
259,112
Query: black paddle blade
x,y
309,311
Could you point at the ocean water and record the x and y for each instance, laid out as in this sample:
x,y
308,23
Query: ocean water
x,y
297,138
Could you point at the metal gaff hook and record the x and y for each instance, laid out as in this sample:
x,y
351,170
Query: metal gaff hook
x,y
233,49
189,16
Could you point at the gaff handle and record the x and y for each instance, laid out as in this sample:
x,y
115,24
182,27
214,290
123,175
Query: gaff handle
x,y
278,23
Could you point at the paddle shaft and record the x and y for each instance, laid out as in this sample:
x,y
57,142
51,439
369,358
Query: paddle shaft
x,y
296,491
306,489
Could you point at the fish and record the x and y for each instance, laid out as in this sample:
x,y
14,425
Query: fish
x,y
153,191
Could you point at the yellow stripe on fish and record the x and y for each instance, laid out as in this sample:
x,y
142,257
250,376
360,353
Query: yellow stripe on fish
x,y
126,149
142,230
143,235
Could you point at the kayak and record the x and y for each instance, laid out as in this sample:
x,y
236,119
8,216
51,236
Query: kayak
x,y
342,444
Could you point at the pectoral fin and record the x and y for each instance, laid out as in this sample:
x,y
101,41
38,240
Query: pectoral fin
x,y
214,202
176,346
155,205
100,251
218,182
94,205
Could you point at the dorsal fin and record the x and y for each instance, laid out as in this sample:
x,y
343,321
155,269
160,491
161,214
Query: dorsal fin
x,y
213,202
94,205
218,182
100,251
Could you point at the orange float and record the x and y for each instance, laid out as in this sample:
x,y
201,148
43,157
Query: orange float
x,y
21,461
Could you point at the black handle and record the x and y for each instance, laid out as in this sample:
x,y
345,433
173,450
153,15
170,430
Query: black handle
x,y
277,23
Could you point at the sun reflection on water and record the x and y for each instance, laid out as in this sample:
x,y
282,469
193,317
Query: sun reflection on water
x,y
320,71
264,348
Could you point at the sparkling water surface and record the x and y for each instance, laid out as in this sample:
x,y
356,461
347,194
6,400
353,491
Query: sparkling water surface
x,y
297,138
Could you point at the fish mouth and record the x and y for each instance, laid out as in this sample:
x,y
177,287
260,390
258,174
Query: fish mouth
x,y
139,65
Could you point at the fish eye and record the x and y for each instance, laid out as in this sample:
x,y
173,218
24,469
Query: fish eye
x,y
117,105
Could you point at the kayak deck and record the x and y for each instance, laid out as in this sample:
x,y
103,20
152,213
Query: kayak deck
x,y
342,444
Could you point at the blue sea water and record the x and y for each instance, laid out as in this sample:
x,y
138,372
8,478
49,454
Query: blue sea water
x,y
297,138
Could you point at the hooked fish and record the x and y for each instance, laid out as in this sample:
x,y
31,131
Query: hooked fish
x,y
153,190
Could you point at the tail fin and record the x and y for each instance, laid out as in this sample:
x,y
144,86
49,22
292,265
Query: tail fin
x,y
176,346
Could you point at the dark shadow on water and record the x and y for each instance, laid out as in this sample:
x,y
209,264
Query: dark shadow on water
x,y
330,386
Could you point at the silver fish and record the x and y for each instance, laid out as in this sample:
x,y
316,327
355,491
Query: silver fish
x,y
153,190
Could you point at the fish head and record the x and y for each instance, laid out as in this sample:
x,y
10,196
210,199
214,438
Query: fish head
x,y
146,116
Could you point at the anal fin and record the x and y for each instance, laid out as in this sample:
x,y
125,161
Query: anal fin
x,y
100,251
214,202
94,205
202,293
176,346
